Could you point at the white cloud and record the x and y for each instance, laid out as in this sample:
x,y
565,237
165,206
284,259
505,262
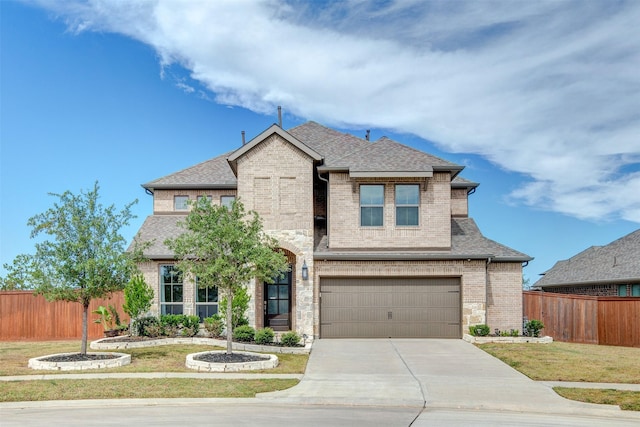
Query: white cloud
x,y
549,89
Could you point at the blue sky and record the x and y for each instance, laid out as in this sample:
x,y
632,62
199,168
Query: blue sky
x,y
539,100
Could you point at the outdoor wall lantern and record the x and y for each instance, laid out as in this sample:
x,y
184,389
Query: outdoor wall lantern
x,y
305,270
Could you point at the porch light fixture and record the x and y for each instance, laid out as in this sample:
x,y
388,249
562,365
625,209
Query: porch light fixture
x,y
305,270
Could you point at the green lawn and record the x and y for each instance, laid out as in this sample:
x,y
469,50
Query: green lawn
x,y
561,361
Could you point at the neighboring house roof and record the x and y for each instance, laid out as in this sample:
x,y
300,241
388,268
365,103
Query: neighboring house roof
x,y
617,262
467,242
212,173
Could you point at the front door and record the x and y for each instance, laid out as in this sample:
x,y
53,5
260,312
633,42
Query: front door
x,y
277,303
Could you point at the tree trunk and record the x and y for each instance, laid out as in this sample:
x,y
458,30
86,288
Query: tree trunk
x,y
229,323
85,311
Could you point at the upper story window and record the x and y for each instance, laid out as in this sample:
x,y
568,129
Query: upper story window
x,y
407,204
227,201
180,203
371,205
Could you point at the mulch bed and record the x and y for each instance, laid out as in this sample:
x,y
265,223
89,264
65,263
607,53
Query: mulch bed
x,y
229,358
129,338
79,357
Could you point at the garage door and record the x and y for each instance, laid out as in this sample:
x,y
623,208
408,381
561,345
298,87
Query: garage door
x,y
390,308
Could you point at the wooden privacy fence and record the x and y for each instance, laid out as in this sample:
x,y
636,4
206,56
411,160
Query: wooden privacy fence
x,y
586,319
24,316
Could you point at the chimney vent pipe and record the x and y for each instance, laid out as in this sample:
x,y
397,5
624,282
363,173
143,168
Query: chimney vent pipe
x,y
279,116
243,140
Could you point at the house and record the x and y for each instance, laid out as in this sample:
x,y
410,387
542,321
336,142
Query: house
x,y
382,230
611,270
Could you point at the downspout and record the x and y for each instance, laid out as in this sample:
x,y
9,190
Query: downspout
x,y
328,202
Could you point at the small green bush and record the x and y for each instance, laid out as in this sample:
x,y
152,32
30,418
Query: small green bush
x,y
264,336
533,327
244,333
514,333
290,339
479,330
190,326
214,325
145,325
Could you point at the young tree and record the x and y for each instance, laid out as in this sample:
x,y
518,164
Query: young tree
x,y
85,258
226,248
137,298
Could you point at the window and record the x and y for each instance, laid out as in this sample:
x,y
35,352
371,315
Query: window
x,y
622,290
371,205
635,290
206,301
180,203
227,201
171,288
407,204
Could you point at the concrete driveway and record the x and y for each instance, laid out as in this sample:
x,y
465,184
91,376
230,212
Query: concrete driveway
x,y
431,373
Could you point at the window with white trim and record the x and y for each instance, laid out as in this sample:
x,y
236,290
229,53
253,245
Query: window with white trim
x,y
371,205
407,204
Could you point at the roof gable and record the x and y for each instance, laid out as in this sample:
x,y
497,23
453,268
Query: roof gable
x,y
273,129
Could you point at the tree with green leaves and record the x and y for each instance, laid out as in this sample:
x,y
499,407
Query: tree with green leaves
x,y
137,298
17,278
84,256
226,248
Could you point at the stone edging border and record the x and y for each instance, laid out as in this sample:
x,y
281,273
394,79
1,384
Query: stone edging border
x,y
105,344
507,340
39,364
200,366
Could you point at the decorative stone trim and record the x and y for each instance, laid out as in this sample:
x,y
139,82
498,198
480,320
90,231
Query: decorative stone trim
x,y
202,366
121,360
106,344
507,340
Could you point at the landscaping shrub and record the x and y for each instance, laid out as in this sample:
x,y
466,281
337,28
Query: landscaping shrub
x,y
479,330
171,323
145,325
533,327
244,333
190,326
290,339
214,325
264,336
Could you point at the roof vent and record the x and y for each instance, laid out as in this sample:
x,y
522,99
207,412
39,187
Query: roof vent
x,y
243,140
368,133
279,116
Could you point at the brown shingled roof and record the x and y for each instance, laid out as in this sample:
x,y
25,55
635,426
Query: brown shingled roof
x,y
212,173
617,262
